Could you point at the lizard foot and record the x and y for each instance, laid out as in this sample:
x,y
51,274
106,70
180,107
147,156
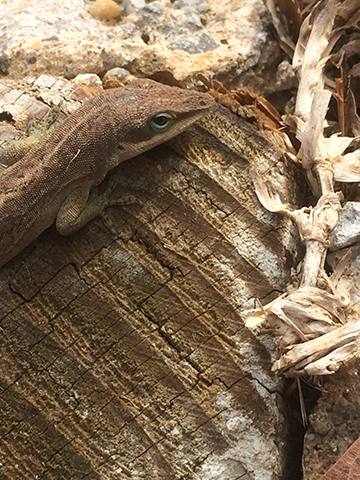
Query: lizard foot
x,y
109,202
79,208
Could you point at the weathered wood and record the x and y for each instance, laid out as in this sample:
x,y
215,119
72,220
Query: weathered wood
x,y
123,350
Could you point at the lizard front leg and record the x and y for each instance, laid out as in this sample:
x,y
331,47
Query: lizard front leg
x,y
81,206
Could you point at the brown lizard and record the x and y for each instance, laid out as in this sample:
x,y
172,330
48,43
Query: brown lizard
x,y
53,182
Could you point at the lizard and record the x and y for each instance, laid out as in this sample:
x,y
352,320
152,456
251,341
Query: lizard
x,y
53,182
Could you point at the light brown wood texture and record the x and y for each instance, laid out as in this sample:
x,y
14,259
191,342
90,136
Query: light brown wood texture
x,y
123,347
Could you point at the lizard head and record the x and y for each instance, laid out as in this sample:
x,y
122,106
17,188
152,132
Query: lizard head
x,y
152,113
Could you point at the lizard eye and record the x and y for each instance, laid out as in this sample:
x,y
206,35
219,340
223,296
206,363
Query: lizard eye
x,y
161,121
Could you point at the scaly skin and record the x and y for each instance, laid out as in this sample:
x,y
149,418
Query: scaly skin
x,y
53,182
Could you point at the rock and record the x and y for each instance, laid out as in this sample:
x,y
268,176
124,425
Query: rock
x,y
118,74
155,7
105,9
90,82
152,14
195,43
347,231
191,20
196,5
285,76
183,38
334,424
130,6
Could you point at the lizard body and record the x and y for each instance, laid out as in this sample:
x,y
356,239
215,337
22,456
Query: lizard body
x,y
53,182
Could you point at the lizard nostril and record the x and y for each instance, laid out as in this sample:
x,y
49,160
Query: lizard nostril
x,y
203,102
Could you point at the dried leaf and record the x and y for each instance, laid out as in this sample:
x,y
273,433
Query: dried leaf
x,y
353,117
312,146
347,167
349,10
317,223
315,43
304,314
312,315
246,97
342,97
291,10
323,355
270,192
285,41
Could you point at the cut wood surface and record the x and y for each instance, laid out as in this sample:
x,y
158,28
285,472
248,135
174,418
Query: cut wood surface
x,y
123,347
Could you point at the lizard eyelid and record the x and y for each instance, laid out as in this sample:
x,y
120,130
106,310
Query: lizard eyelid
x,y
161,121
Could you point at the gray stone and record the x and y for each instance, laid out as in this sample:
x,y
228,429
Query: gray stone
x,y
130,30
38,38
347,231
196,5
197,43
189,19
118,73
155,7
152,13
130,6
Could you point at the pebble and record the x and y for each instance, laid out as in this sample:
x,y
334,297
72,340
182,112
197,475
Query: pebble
x,y
347,231
197,43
